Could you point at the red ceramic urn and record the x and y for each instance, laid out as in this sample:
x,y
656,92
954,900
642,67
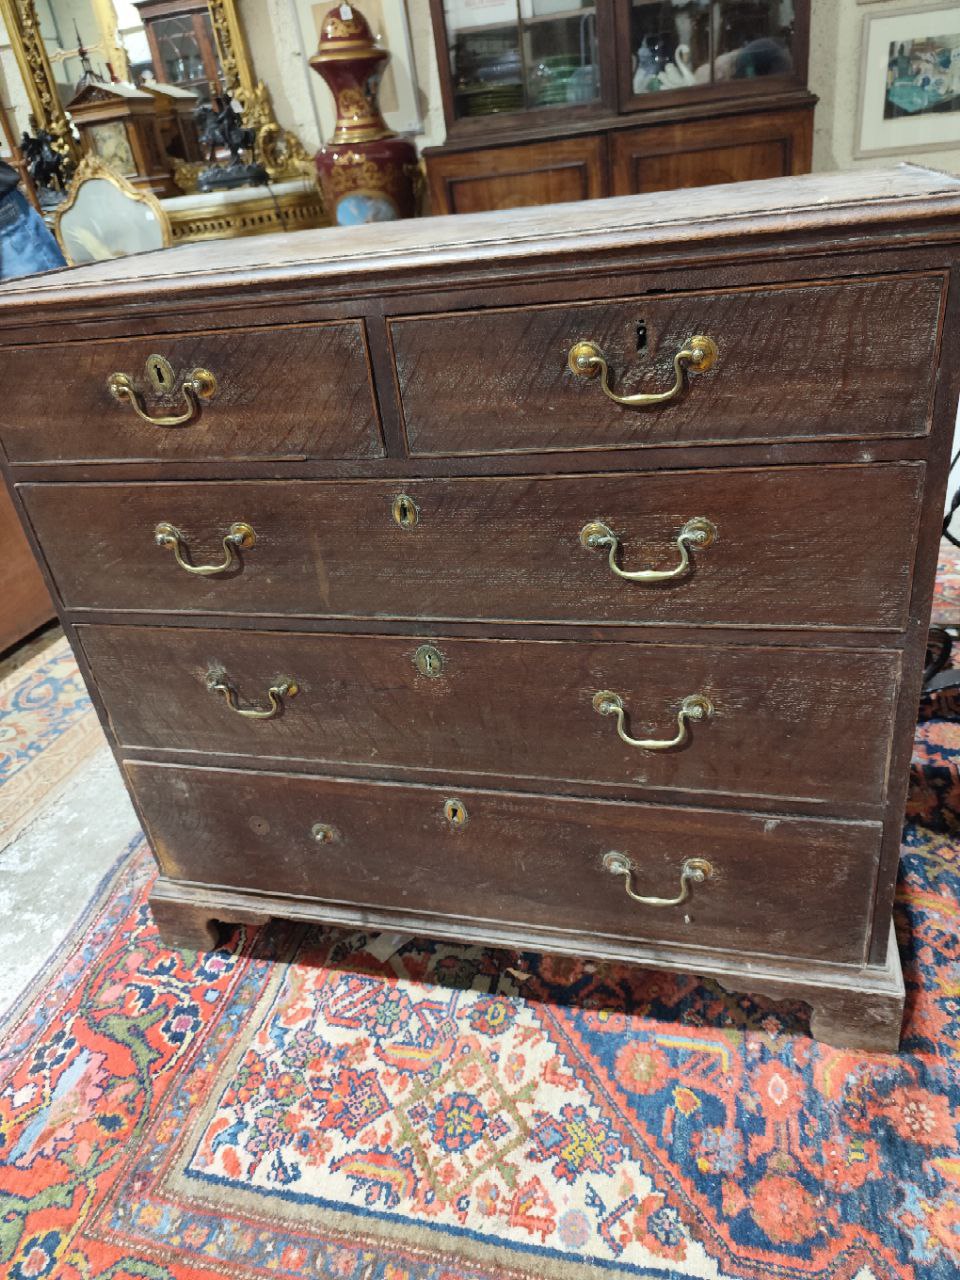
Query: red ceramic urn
x,y
367,173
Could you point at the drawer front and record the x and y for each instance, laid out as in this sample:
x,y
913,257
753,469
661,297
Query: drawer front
x,y
794,547
800,887
301,391
823,361
782,723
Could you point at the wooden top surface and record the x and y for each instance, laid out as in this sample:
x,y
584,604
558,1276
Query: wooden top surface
x,y
901,194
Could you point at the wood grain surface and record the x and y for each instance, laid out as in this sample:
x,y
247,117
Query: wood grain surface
x,y
903,196
787,723
697,153
26,603
505,177
796,547
303,391
782,885
428,359
850,359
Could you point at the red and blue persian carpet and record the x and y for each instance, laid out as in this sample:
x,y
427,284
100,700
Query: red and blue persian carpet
x,y
290,1106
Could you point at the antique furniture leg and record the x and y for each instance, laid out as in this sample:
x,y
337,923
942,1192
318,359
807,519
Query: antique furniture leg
x,y
866,1020
189,924
185,927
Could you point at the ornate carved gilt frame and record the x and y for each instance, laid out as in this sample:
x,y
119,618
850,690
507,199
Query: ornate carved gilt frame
x,y
92,167
23,30
281,152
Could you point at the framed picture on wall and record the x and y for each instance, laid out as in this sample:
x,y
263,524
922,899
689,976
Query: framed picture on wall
x,y
399,98
909,80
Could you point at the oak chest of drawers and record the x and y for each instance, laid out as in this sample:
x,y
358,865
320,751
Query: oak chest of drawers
x,y
555,578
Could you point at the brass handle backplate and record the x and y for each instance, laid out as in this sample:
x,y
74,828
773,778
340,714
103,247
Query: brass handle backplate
x,y
698,532
693,871
199,384
219,682
695,707
239,537
587,360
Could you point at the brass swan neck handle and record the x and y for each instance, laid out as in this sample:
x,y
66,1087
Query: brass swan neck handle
x,y
694,707
239,537
693,871
200,384
698,532
219,682
586,360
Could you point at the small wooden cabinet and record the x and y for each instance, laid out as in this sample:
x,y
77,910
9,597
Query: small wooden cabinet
x,y
547,103
26,600
182,44
119,123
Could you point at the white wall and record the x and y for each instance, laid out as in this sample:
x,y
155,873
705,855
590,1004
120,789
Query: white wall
x,y
835,48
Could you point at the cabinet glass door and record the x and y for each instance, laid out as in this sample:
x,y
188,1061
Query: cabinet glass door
x,y
521,55
688,44
184,45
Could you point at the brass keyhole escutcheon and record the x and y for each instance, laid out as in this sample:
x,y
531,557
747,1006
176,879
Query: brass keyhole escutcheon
x,y
455,812
405,511
161,375
428,660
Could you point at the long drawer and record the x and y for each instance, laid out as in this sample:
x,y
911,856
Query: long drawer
x,y
810,361
294,391
777,723
804,547
800,887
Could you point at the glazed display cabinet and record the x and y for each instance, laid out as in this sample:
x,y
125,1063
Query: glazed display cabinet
x,y
182,44
550,100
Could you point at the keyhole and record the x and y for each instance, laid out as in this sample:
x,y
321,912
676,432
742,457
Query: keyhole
x,y
160,373
642,335
428,660
405,511
455,812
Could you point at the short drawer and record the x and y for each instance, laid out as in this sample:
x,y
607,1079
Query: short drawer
x,y
297,391
776,723
800,887
793,547
806,361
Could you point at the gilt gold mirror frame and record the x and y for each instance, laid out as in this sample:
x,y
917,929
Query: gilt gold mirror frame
x,y
279,151
91,167
23,31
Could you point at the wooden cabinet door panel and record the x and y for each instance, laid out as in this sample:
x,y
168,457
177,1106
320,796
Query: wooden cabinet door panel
x,y
507,177
26,603
701,153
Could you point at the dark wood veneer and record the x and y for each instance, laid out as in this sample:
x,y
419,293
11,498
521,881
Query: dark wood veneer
x,y
856,358
789,723
503,549
301,391
782,886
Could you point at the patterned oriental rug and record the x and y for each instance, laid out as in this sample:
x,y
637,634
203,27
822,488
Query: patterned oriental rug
x,y
292,1106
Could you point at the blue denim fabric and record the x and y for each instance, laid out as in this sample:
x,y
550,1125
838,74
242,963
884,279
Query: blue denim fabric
x,y
26,245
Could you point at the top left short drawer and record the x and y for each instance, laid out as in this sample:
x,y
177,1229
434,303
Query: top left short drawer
x,y
292,391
